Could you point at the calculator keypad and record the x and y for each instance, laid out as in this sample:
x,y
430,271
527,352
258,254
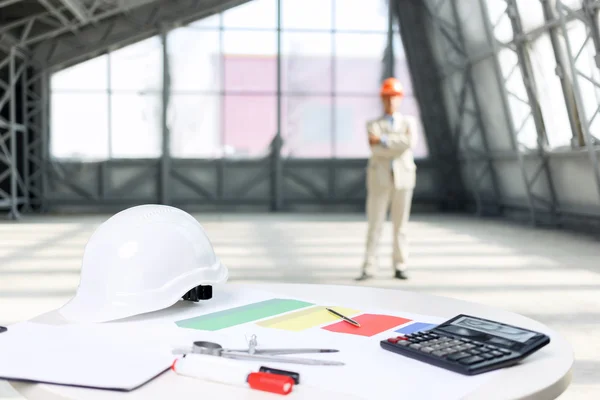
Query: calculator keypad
x,y
462,351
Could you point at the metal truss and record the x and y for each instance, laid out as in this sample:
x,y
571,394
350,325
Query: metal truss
x,y
589,17
12,186
536,202
31,47
125,28
468,124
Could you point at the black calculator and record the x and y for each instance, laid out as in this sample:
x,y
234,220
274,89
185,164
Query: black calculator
x,y
469,345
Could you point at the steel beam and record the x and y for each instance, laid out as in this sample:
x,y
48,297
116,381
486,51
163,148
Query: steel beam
x,y
514,133
533,103
77,9
165,158
12,67
126,29
276,167
453,35
590,18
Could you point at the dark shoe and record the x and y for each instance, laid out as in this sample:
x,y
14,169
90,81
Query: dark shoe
x,y
400,275
363,277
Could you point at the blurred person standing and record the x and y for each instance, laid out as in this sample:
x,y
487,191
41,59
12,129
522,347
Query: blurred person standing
x,y
391,178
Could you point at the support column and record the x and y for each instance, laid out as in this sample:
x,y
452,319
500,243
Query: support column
x,y
589,18
470,84
165,159
514,133
276,164
536,110
12,101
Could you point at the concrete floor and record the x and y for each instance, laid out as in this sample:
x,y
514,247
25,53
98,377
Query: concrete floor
x,y
551,276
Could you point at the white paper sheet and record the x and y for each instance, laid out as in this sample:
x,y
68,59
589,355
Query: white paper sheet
x,y
99,356
126,353
370,371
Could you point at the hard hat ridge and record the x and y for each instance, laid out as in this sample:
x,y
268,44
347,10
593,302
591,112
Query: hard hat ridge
x,y
391,87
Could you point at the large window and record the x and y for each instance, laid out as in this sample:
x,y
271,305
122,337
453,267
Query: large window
x,y
224,89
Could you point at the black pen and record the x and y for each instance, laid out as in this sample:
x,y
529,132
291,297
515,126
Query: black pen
x,y
348,320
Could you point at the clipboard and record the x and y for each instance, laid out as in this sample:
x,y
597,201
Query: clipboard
x,y
88,357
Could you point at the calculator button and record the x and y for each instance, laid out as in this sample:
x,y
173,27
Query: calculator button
x,y
474,351
458,356
505,352
486,356
455,342
496,353
461,348
393,340
440,353
470,360
404,343
427,349
415,346
489,346
469,346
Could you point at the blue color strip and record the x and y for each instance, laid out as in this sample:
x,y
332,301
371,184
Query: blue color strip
x,y
416,327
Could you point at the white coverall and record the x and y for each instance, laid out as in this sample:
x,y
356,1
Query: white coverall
x,y
391,178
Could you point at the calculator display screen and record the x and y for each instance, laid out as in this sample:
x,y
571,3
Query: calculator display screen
x,y
492,328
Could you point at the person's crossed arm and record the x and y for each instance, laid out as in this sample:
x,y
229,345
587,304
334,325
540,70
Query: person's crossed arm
x,y
386,146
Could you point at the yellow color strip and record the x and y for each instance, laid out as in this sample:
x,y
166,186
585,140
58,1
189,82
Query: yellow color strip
x,y
305,319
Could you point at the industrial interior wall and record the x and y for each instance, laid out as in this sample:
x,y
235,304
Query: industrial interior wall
x,y
517,135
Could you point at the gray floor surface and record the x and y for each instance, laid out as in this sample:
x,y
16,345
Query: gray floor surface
x,y
552,276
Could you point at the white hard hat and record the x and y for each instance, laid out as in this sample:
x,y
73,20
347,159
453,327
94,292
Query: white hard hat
x,y
142,259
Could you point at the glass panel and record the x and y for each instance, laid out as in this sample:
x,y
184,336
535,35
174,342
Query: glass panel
x,y
511,72
523,122
136,125
137,67
306,14
351,117
253,14
89,75
70,112
358,62
306,127
496,10
195,126
573,4
214,21
580,41
250,125
195,59
306,62
531,13
250,61
550,94
361,15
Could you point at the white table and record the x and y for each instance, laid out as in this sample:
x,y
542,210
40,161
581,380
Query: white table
x,y
544,375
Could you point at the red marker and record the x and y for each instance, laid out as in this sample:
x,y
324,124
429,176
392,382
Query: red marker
x,y
229,372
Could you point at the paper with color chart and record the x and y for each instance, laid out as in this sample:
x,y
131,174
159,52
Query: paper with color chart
x,y
100,356
281,322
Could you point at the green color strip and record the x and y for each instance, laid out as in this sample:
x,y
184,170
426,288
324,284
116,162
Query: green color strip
x,y
242,315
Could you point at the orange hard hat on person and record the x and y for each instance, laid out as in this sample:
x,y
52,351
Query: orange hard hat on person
x,y
391,87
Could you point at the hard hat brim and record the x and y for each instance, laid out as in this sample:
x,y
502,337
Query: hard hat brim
x,y
87,309
392,93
